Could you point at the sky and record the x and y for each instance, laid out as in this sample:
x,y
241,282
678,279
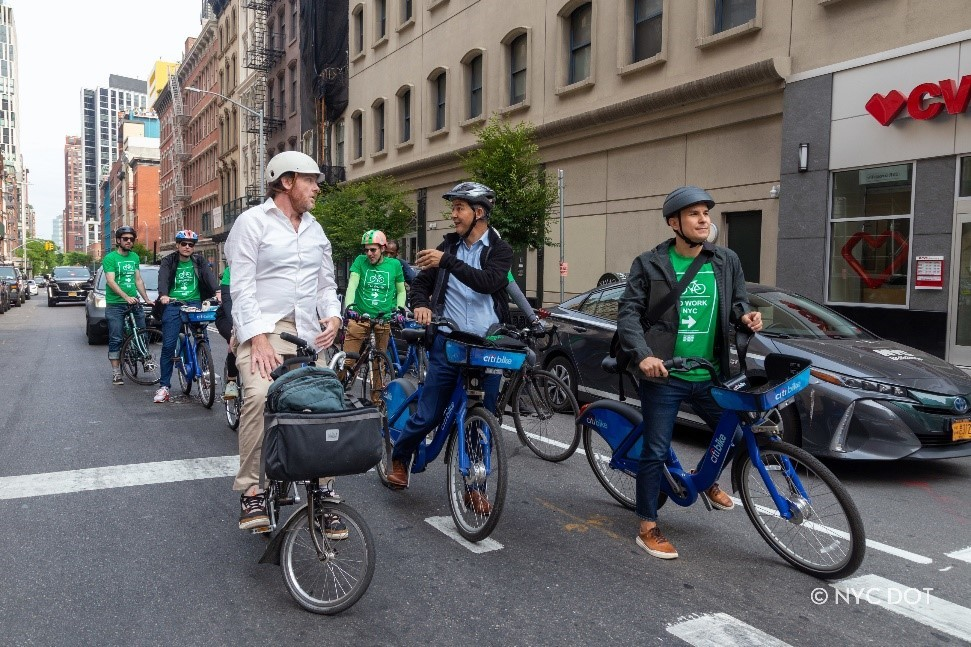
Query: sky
x,y
69,45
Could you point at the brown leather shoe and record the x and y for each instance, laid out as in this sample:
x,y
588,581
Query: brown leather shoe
x,y
719,500
656,544
478,501
398,476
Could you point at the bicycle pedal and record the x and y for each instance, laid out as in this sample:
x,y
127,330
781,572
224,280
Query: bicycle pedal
x,y
262,530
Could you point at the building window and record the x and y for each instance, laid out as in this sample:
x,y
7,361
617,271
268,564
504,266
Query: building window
x,y
580,43
517,70
358,22
732,13
869,230
475,86
293,90
439,94
357,132
293,19
647,28
339,143
404,110
378,109
406,11
964,186
381,19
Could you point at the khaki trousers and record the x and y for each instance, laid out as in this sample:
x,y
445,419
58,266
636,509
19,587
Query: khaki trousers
x,y
254,397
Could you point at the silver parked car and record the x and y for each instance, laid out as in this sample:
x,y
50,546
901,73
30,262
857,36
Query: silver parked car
x,y
869,398
95,325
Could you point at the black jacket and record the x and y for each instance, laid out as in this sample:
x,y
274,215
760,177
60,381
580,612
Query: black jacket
x,y
208,283
651,277
428,288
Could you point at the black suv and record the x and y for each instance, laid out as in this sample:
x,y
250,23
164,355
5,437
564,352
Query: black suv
x,y
14,284
68,284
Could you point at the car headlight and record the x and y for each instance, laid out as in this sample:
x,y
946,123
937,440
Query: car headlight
x,y
860,384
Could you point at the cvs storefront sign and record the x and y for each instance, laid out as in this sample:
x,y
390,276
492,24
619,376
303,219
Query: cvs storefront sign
x,y
925,101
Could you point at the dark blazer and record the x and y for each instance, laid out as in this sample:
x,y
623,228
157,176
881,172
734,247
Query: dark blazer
x,y
428,288
651,278
208,283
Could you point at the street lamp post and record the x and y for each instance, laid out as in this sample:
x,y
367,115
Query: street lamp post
x,y
259,115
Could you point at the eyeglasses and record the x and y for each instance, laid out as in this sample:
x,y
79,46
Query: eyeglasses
x,y
187,243
126,239
372,250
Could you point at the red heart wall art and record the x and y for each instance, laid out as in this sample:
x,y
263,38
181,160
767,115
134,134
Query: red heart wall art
x,y
875,242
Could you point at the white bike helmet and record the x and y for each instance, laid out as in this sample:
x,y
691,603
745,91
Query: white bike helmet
x,y
292,162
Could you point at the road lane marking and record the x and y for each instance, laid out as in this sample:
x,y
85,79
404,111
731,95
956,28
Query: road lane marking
x,y
722,630
99,478
447,527
928,609
964,554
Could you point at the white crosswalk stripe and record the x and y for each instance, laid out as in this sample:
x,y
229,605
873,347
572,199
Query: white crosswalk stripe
x,y
917,604
446,526
722,630
964,554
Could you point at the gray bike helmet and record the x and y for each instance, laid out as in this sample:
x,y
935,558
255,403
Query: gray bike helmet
x,y
683,197
475,194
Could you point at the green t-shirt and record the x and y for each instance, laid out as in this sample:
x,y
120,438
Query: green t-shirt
x,y
225,279
124,267
698,320
186,285
377,291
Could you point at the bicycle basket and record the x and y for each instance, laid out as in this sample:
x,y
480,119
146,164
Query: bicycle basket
x,y
304,446
483,356
787,376
197,315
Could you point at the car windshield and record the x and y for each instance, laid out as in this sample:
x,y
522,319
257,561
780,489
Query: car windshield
x,y
790,316
7,272
600,303
65,273
149,276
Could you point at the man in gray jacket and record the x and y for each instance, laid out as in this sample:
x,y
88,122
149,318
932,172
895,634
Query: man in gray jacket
x,y
698,324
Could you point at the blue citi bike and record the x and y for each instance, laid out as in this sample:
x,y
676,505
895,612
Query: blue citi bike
x,y
416,360
796,503
475,454
193,356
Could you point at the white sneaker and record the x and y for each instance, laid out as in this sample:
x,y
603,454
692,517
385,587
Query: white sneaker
x,y
162,395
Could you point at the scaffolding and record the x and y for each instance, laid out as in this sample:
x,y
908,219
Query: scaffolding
x,y
261,56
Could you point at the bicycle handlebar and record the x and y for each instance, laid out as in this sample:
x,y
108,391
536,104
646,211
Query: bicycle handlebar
x,y
690,363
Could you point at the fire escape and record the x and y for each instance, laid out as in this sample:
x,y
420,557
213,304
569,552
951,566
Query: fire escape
x,y
261,56
178,153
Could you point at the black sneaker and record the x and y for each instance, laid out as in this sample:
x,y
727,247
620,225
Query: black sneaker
x,y
334,528
116,378
253,513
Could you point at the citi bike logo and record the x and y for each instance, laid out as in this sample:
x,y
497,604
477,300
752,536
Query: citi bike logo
x,y
786,392
716,451
596,422
497,359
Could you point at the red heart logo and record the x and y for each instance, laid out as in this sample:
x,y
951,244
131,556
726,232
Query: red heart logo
x,y
886,108
873,282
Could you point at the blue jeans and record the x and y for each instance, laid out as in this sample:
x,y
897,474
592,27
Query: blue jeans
x,y
659,405
115,316
439,384
171,325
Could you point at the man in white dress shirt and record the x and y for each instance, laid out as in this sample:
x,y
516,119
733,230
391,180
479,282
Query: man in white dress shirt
x,y
283,281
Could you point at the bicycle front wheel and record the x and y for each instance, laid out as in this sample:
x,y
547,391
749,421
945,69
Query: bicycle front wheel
x,y
181,364
234,406
825,536
619,484
140,355
207,375
476,498
333,579
539,396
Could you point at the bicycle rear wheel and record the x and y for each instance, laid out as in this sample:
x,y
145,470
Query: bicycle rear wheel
x,y
538,397
140,355
234,406
619,484
825,536
334,579
180,363
476,500
207,375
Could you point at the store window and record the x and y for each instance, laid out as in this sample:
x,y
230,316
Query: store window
x,y
964,184
870,223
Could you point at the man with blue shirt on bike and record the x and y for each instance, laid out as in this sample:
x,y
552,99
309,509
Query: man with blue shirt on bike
x,y
185,277
124,281
465,280
655,323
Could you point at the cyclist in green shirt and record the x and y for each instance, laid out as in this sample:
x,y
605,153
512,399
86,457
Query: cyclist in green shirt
x,y
376,286
187,277
224,324
124,283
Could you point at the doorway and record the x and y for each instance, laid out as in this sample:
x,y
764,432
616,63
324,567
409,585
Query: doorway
x,y
745,239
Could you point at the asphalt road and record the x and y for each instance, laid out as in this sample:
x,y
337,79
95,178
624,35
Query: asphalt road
x,y
145,551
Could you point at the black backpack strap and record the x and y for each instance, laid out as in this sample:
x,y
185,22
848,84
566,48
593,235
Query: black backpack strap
x,y
668,300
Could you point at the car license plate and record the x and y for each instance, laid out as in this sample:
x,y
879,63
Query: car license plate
x,y
72,294
961,429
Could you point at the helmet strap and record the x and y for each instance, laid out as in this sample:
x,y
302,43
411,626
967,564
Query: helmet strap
x,y
690,243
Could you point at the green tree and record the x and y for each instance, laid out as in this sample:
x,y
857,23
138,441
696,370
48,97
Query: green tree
x,y
507,160
347,211
40,258
76,258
